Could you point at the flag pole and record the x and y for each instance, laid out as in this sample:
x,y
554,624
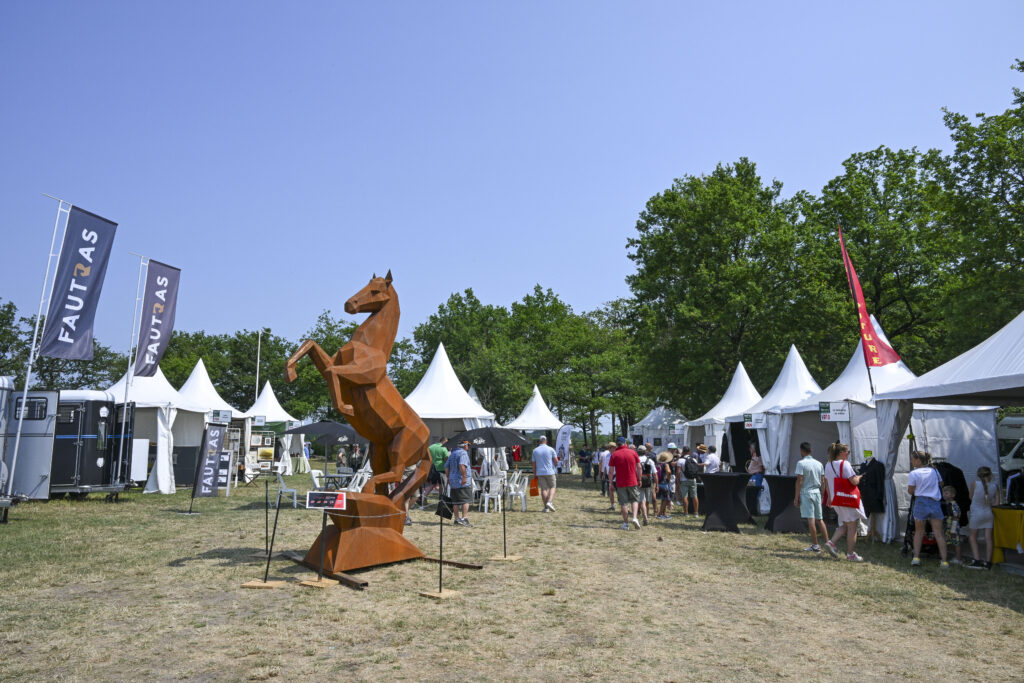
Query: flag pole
x,y
256,394
130,371
35,333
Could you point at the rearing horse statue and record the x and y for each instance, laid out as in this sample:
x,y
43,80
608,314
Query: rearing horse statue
x,y
361,390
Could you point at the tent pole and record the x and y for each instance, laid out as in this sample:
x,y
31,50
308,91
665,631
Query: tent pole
x,y
35,332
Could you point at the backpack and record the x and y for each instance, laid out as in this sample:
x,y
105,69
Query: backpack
x,y
647,473
690,468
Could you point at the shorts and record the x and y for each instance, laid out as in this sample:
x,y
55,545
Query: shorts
x,y
546,482
810,504
628,494
845,515
462,495
646,494
664,492
434,477
927,508
688,488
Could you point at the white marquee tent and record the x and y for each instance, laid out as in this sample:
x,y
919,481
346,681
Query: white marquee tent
x,y
200,390
269,407
166,418
6,390
443,403
709,428
661,426
991,373
793,385
536,416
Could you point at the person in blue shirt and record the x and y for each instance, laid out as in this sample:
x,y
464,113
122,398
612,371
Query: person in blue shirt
x,y
545,469
460,483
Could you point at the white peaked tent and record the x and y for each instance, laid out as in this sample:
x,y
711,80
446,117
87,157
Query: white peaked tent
x,y
661,426
200,390
166,418
793,385
957,434
709,428
443,403
267,405
6,390
990,373
473,395
536,416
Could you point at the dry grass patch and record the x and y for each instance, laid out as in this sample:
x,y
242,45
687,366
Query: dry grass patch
x,y
134,590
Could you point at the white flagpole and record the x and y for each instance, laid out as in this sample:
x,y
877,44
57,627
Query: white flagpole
x,y
130,372
35,334
259,337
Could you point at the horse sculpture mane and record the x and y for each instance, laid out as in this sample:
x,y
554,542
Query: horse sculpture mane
x,y
361,390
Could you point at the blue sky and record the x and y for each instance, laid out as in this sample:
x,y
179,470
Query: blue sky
x,y
279,153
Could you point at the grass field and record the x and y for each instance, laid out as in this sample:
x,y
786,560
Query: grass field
x,y
133,590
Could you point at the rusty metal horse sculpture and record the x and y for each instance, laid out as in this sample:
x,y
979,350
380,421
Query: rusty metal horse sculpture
x,y
369,532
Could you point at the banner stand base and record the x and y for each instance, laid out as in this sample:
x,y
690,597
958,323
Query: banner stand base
x,y
189,514
505,558
256,583
443,594
319,583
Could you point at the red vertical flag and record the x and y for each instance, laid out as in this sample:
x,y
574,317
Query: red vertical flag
x,y
876,352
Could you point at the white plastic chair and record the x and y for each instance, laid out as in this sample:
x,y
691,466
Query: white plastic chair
x,y
517,490
318,479
491,491
358,481
283,489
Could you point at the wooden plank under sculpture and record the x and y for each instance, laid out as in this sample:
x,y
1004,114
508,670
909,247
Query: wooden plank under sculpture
x,y
369,531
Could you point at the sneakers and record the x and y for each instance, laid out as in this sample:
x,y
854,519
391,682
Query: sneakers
x,y
955,561
976,564
625,526
635,522
545,509
943,565
549,506
408,519
916,562
645,521
462,521
831,548
610,508
813,548
854,557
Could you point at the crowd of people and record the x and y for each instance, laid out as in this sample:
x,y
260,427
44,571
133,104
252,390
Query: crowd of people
x,y
642,486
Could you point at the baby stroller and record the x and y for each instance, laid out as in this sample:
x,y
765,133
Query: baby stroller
x,y
951,476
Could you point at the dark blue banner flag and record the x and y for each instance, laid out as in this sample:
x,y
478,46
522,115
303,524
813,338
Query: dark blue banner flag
x,y
77,285
158,306
207,473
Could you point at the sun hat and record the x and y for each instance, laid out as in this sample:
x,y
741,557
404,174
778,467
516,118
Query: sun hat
x,y
664,456
641,449
702,448
671,446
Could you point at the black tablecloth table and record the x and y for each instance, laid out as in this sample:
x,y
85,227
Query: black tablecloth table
x,y
724,503
783,517
753,493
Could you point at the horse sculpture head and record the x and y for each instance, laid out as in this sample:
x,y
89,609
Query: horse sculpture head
x,y
372,297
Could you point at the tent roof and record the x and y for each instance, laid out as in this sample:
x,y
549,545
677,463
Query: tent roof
x,y
793,385
440,394
6,382
200,390
740,395
153,392
662,417
267,405
853,384
535,415
473,395
992,373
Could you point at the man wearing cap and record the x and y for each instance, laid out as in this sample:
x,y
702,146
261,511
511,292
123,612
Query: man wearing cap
x,y
460,483
545,468
624,467
648,483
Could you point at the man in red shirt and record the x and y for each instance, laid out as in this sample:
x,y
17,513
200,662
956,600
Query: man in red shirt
x,y
625,464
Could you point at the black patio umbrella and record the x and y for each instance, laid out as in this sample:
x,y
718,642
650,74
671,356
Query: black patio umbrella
x,y
490,437
324,428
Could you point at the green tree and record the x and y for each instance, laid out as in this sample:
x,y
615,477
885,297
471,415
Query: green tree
x,y
715,261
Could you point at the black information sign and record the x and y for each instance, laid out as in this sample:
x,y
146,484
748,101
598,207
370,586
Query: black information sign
x,y
325,500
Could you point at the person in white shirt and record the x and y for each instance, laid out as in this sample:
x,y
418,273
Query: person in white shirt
x,y
925,485
712,464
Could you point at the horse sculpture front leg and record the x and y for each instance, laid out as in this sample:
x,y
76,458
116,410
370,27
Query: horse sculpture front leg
x,y
325,364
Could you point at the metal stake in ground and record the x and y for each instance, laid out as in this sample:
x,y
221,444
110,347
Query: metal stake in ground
x,y
505,557
270,549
